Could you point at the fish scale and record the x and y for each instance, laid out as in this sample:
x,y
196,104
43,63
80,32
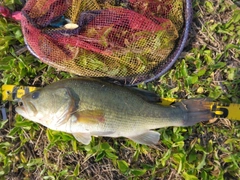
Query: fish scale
x,y
139,110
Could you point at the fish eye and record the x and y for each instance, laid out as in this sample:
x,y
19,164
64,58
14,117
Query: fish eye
x,y
35,95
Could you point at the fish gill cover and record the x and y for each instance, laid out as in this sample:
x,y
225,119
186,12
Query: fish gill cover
x,y
137,40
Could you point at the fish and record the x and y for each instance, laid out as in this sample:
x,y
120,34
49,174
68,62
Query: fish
x,y
88,107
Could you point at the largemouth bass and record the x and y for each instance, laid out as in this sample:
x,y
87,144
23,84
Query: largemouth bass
x,y
87,107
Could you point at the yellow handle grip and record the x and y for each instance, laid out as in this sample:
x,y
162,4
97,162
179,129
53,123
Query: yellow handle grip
x,y
221,110
14,93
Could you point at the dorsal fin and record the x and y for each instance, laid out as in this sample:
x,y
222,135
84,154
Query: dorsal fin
x,y
146,95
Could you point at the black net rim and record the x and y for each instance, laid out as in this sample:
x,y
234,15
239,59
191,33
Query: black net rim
x,y
171,59
161,68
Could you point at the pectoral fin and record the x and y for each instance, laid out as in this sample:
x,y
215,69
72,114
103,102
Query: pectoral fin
x,y
148,138
84,138
90,116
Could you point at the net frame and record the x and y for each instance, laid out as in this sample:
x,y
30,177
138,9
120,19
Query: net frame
x,y
164,66
167,64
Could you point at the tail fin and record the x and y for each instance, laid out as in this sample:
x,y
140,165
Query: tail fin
x,y
195,110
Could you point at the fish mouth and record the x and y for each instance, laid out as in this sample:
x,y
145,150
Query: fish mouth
x,y
20,110
26,109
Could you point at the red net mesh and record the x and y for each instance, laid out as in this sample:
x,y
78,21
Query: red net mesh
x,y
114,38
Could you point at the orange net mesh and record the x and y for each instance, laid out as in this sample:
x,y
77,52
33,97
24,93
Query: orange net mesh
x,y
114,38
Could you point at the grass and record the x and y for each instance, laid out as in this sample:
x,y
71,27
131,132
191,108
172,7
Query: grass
x,y
208,67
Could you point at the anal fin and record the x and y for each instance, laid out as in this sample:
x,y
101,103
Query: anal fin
x,y
148,138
